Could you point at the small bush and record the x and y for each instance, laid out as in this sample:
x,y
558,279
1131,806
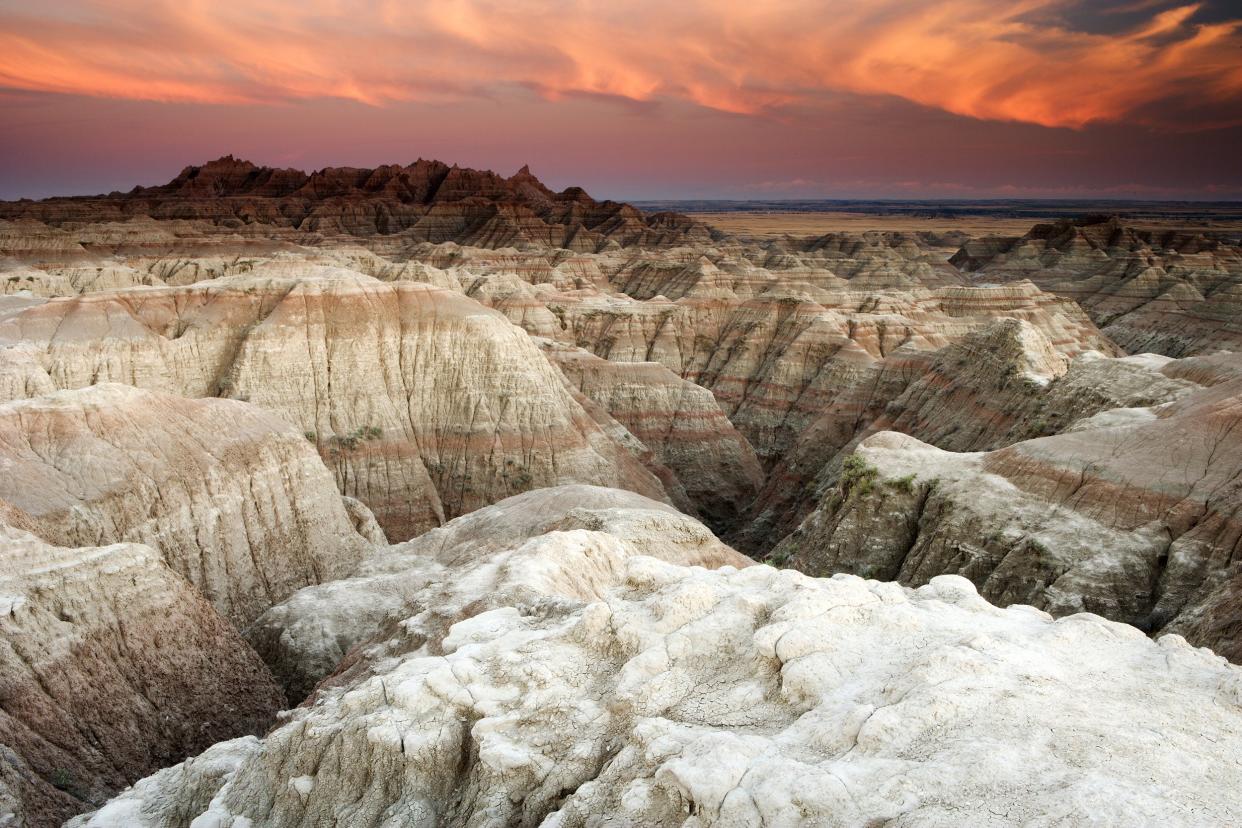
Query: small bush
x,y
357,437
903,484
856,476
517,476
62,780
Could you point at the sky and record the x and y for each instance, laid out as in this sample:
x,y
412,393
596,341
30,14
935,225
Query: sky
x,y
691,99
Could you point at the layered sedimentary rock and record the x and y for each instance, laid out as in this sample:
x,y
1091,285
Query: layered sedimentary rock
x,y
423,403
730,267
151,267
775,362
1133,514
755,697
111,666
679,421
67,281
868,261
1173,293
427,201
565,542
998,386
234,499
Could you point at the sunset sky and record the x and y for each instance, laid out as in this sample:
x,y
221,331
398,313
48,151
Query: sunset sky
x,y
689,99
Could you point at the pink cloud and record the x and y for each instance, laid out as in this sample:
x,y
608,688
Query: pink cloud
x,y
978,58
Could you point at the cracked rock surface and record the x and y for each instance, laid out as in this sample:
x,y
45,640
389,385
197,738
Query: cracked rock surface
x,y
568,542
682,696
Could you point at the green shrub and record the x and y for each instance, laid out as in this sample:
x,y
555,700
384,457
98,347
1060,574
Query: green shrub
x,y
62,780
903,484
856,476
355,438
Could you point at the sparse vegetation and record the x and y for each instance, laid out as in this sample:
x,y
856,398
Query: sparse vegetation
x,y
559,312
779,558
360,435
517,476
902,484
62,780
857,477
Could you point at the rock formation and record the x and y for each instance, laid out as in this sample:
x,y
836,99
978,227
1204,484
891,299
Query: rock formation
x,y
423,403
755,697
1170,292
998,386
247,380
489,558
424,201
679,421
111,666
236,501
1132,514
776,361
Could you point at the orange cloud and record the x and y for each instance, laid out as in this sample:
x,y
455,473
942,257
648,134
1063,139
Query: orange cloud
x,y
978,58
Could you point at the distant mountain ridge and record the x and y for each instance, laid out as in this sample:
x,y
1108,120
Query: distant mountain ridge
x,y
424,181
427,201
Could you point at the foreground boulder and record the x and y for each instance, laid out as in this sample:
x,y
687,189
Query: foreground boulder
x,y
234,499
111,666
689,697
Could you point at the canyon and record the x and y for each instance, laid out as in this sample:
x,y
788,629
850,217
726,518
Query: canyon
x,y
426,495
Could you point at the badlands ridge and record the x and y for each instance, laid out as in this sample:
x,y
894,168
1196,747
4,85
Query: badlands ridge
x,y
425,496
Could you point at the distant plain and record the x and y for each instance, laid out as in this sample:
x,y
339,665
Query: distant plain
x,y
766,219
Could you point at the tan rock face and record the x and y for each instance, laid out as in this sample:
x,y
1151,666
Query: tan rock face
x,y
111,666
1131,514
678,421
774,363
423,403
995,387
1169,292
234,499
